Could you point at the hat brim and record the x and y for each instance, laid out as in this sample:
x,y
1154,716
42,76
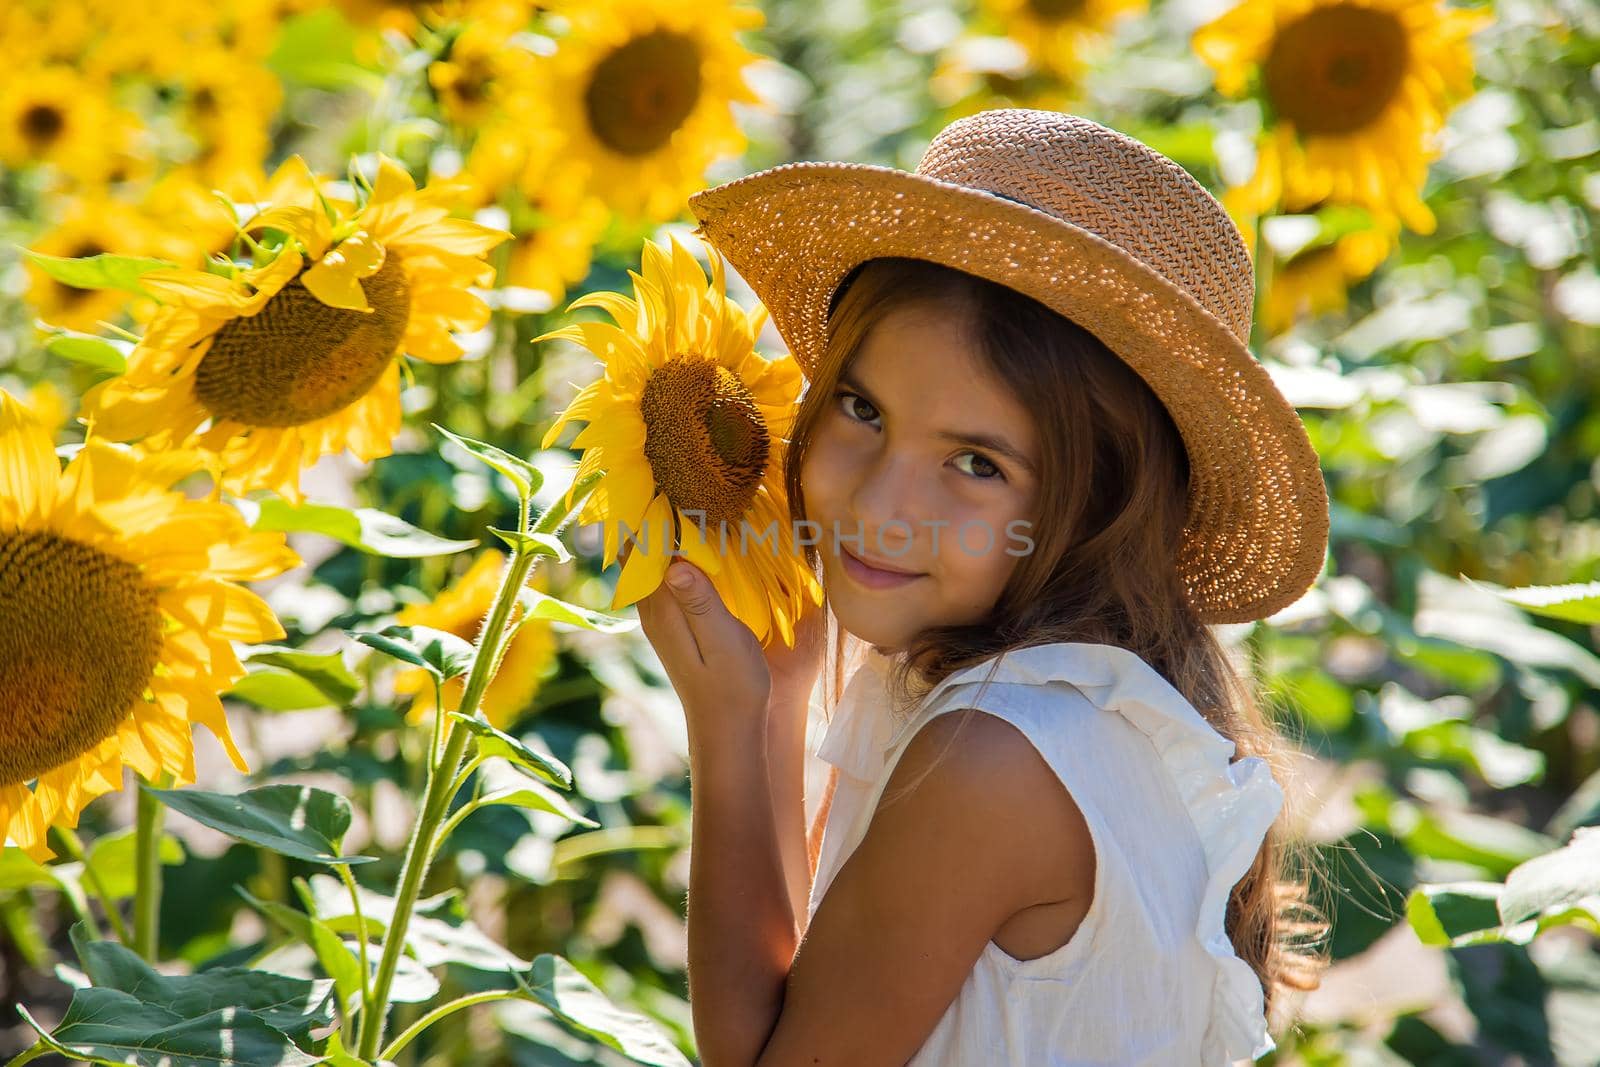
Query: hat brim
x,y
1256,532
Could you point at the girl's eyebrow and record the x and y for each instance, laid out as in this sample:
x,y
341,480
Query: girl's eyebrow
x,y
978,439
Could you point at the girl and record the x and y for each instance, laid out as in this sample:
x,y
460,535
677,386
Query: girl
x,y
1043,461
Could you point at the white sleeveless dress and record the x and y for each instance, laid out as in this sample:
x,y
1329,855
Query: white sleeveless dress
x,y
1150,977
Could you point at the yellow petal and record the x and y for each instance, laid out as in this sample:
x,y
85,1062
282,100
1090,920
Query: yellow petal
x,y
29,470
336,278
649,556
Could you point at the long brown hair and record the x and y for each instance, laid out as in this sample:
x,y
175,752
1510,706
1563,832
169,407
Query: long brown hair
x,y
1113,486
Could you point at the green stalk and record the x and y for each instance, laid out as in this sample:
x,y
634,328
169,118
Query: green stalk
x,y
416,1028
441,775
147,873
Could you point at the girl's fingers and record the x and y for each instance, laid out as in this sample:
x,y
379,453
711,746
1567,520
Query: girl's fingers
x,y
709,621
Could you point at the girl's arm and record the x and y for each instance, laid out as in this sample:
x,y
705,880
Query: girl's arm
x,y
786,756
989,831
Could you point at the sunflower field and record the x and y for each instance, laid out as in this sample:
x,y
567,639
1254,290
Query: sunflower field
x,y
301,299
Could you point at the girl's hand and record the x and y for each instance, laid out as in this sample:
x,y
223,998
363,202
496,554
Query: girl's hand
x,y
713,660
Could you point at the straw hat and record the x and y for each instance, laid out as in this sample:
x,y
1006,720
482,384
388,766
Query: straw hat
x,y
1111,234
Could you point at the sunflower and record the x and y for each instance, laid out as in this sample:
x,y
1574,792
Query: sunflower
x,y
90,226
977,73
293,359
120,602
529,659
53,115
689,423
228,109
642,92
485,67
1058,34
1317,280
1355,91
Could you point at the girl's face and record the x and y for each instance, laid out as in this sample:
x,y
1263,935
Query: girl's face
x,y
921,465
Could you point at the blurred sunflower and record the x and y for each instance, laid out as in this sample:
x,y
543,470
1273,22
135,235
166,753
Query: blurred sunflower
x,y
1317,280
1058,34
1355,91
642,92
294,358
459,609
485,66
228,109
90,226
976,73
690,422
121,603
54,115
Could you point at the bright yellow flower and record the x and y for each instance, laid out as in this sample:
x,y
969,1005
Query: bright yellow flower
x,y
1355,91
1317,281
228,108
690,424
460,609
486,66
642,91
295,358
1059,34
89,226
53,115
121,606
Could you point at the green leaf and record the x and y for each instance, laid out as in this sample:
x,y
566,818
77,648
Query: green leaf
x,y
493,742
318,49
338,962
367,529
534,544
291,1005
537,605
1572,603
104,271
18,871
292,820
87,349
527,478
277,690
562,989
1567,877
439,931
1440,914
439,652
530,793
111,859
108,1026
325,670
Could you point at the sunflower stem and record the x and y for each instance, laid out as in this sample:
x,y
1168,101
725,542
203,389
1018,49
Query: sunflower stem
x,y
442,775
147,873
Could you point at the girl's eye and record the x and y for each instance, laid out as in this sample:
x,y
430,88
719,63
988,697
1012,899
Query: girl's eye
x,y
853,403
983,464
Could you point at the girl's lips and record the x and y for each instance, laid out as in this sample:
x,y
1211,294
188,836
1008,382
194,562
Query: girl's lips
x,y
870,576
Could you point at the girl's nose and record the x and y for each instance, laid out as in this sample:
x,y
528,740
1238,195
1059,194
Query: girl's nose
x,y
886,503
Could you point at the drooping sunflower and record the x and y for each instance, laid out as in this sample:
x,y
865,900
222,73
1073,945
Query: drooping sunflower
x,y
977,73
1355,91
1058,35
460,609
690,424
120,602
642,92
295,357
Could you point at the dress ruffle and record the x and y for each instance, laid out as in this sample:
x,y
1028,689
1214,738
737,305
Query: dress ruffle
x,y
1233,803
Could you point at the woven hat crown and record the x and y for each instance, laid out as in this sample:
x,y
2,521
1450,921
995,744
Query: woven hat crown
x,y
1111,185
